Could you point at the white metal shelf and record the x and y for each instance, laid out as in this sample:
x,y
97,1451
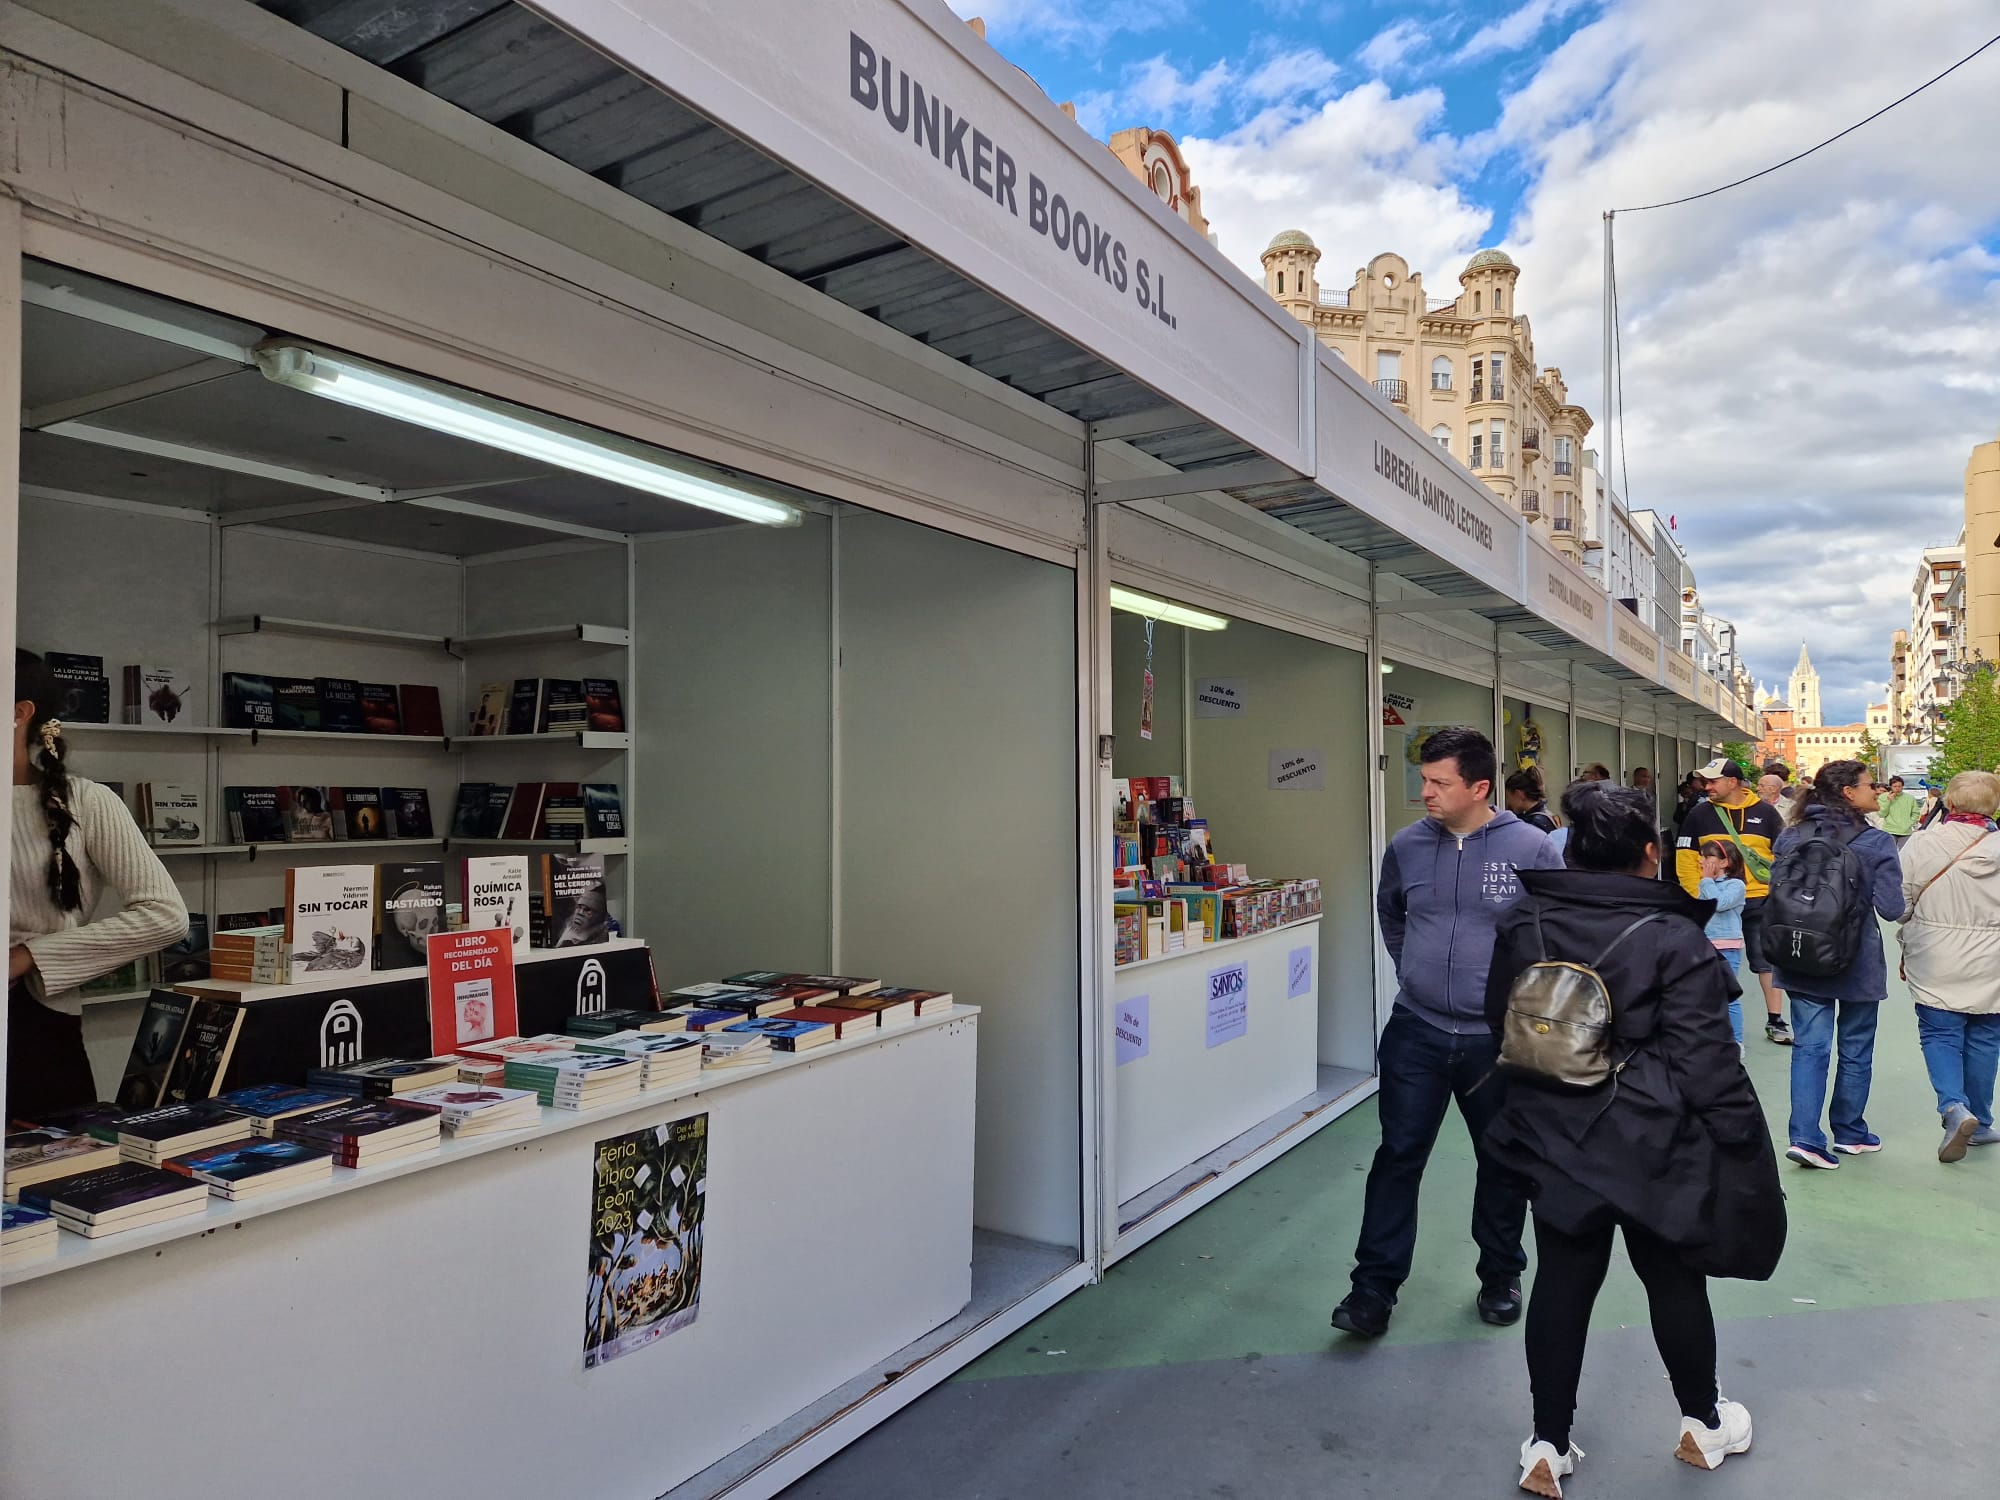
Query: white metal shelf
x,y
170,851
322,630
587,739
569,846
159,731
589,635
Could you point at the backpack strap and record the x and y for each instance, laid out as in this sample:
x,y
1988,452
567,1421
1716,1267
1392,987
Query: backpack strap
x,y
1634,927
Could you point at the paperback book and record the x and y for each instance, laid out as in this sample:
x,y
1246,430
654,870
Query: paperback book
x,y
307,813
254,814
386,1077
154,695
202,1060
86,692
297,702
170,812
153,1049
607,711
263,1104
423,712
490,716
380,711
25,1234
524,705
246,1168
173,1129
129,1195
603,813
471,1109
43,1154
570,908
784,1036
481,811
563,706
496,894
357,812
249,701
340,705
409,811
186,960
409,911
329,919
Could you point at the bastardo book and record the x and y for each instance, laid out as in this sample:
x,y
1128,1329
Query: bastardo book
x,y
329,919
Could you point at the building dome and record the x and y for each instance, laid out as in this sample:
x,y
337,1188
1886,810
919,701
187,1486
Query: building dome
x,y
1487,258
1291,239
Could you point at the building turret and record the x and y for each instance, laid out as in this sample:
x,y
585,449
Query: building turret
x,y
1289,273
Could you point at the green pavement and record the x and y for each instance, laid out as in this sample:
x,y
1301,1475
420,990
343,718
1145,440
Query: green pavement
x,y
1258,1271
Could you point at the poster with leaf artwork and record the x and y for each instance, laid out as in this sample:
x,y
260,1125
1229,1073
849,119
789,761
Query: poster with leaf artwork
x,y
648,1203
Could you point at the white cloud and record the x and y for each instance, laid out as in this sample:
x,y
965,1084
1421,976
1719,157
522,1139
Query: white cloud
x,y
1082,25
1386,50
1288,74
1514,30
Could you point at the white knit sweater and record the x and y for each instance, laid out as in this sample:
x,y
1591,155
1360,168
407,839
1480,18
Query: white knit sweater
x,y
110,852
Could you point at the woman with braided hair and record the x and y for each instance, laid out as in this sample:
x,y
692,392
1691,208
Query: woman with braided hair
x,y
73,840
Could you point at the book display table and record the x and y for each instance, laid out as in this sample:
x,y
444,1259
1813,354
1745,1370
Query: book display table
x,y
427,1319
1210,1043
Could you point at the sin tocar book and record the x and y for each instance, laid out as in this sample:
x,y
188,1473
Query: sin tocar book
x,y
329,919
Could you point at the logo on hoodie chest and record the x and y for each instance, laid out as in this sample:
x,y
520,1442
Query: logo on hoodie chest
x,y
1497,882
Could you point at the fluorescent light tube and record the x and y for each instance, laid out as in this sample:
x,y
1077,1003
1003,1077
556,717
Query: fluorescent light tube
x,y
515,429
1158,609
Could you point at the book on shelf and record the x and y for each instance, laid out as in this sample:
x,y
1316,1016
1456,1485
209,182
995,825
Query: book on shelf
x,y
562,706
365,1132
253,1165
129,1195
561,815
664,1061
481,811
186,960
206,1047
409,908
329,919
734,1049
524,810
98,1119
568,907
255,816
577,1080
524,705
154,1134
409,811
380,711
890,1011
297,702
245,921
708,989
86,692
307,814
607,710
25,1234
489,716
705,1017
518,1048
845,1023
470,1109
606,1022
170,812
422,709
250,955
927,1002
249,701
154,695
45,1153
496,894
340,705
154,1047
357,812
385,1077
261,1105
784,1036
603,812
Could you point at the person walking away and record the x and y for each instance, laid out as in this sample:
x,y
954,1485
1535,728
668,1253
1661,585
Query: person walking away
x,y
73,840
1527,801
1672,1151
1951,957
1900,812
1732,813
1445,881
1722,883
1836,891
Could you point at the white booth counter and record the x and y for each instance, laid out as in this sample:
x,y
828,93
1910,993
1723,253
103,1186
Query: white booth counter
x,y
428,1317
1211,1043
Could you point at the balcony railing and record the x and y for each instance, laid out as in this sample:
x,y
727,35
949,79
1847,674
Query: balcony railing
x,y
1565,466
1439,304
1478,391
1440,381
1496,459
1499,390
1332,299
1531,502
1397,391
1531,441
1564,523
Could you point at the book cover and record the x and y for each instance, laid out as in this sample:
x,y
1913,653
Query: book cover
x,y
408,811
380,712
607,712
248,701
297,702
357,812
153,1050
307,814
523,808
329,918
570,904
562,707
603,811
18,1222
339,704
708,988
382,1077
40,1154
264,1102
248,1160
154,695
204,1053
648,1209
99,1120
423,712
254,814
172,1122
358,1119
784,1036
470,981
723,1048
845,1023
840,984
409,909
524,704
561,815
173,812
92,1196
496,894
759,979
708,1018
490,716
86,692
186,961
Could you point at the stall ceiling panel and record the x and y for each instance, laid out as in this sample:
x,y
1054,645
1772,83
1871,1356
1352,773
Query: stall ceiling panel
x,y
80,468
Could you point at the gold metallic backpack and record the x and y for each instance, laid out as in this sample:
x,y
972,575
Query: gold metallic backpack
x,y
1558,1026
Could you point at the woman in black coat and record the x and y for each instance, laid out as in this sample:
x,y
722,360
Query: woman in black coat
x,y
1674,1151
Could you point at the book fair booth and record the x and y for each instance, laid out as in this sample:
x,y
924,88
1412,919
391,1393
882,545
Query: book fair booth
x,y
856,669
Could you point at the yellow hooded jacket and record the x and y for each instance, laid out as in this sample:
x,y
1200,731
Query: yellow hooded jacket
x,y
1756,825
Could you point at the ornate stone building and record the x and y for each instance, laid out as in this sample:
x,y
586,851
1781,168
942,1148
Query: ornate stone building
x,y
1803,694
1154,157
1462,368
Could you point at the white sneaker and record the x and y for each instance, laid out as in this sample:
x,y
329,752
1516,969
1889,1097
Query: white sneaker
x,y
1706,1447
1543,1468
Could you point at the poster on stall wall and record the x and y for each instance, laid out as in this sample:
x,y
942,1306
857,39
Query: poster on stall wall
x,y
1228,1003
1398,709
471,976
1222,698
1297,771
1134,1028
648,1206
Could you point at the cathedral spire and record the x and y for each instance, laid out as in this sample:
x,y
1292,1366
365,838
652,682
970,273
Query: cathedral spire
x,y
1805,662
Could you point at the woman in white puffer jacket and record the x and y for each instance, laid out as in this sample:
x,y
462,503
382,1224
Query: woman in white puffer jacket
x,y
1951,956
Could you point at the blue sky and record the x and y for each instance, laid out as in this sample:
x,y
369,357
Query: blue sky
x,y
1807,361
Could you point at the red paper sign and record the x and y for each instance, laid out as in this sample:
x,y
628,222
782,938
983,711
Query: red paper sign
x,y
471,987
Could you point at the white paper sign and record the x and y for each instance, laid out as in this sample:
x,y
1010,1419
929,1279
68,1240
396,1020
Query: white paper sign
x,y
1398,709
1298,771
1228,1003
1221,697
1134,1028
1299,973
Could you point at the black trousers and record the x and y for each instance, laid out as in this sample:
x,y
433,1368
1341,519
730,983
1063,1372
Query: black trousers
x,y
47,1068
1569,1270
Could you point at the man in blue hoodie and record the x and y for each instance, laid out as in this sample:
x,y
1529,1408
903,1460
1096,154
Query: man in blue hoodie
x,y
1445,881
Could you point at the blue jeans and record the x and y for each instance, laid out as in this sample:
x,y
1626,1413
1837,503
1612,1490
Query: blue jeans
x,y
1962,1054
1423,1071
1734,958
1812,1047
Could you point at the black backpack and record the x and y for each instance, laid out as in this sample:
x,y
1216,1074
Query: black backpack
x,y
1818,904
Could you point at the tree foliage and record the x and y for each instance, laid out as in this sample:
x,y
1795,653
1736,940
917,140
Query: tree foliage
x,y
1869,752
1969,739
1741,751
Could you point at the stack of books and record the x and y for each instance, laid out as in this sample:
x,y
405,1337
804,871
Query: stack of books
x,y
665,1062
386,1077
25,1234
467,1109
845,1023
923,1002
251,955
35,1156
365,1132
250,1167
734,1049
263,1104
153,1135
784,1036
576,1080
130,1195
485,1063
605,1022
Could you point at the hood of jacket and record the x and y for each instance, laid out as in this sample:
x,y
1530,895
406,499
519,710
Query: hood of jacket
x,y
1744,797
1604,890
